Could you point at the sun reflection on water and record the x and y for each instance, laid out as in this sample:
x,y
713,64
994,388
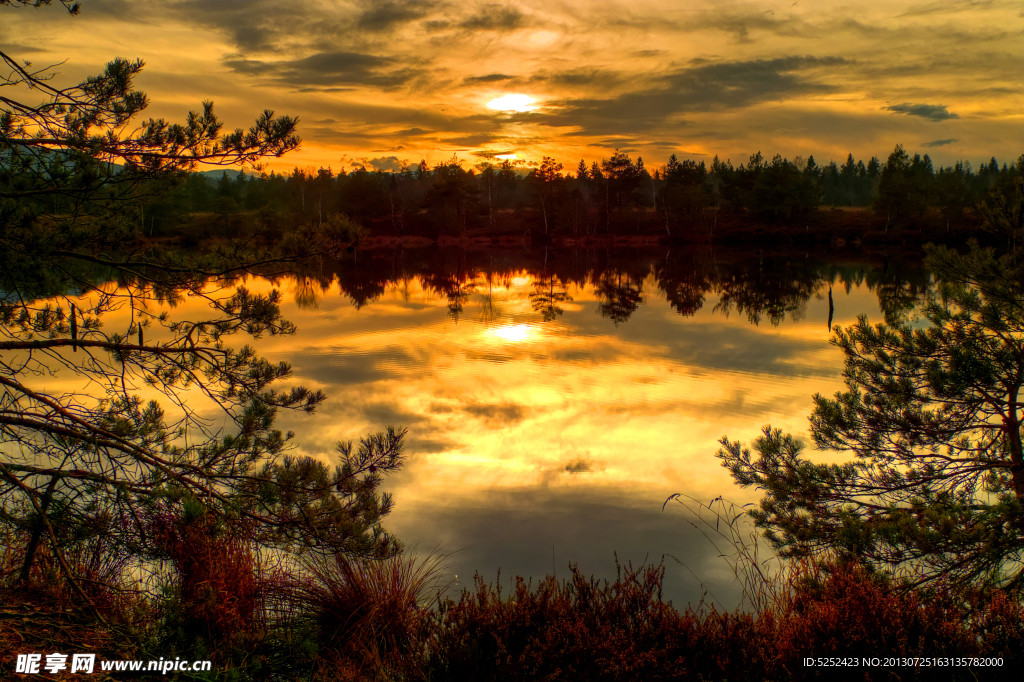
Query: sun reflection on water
x,y
514,332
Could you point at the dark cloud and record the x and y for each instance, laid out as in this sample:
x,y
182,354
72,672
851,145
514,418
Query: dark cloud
x,y
252,26
384,16
260,26
470,140
932,112
336,135
496,415
329,69
940,143
428,446
437,25
870,30
740,25
408,132
534,532
578,466
324,90
699,87
489,78
348,366
249,67
385,414
495,18
15,48
386,163
945,7
491,153
580,76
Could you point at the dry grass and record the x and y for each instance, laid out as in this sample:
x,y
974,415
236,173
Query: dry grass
x,y
580,629
45,614
218,588
759,572
339,618
367,615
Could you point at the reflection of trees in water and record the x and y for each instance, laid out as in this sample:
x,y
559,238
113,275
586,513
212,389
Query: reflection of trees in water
x,y
456,287
362,283
620,296
308,292
686,280
769,289
548,292
493,275
758,286
899,290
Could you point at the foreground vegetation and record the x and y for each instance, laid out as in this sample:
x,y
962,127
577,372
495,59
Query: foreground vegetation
x,y
341,619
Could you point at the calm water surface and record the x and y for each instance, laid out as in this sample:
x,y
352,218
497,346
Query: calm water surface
x,y
538,438
553,404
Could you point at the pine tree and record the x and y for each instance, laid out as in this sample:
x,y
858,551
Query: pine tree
x,y
101,462
933,419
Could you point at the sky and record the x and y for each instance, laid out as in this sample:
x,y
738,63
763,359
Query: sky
x,y
379,84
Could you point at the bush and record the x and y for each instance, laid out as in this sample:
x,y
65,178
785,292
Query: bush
x,y
216,594
580,630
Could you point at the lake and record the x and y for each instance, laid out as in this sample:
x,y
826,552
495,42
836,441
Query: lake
x,y
554,401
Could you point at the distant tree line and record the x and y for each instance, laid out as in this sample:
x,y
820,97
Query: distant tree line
x,y
613,193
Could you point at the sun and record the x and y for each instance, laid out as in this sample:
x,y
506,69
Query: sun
x,y
513,103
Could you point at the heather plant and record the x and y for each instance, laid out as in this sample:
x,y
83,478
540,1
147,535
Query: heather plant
x,y
582,630
40,611
214,593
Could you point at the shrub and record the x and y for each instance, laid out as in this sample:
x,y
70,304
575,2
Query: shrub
x,y
582,630
217,590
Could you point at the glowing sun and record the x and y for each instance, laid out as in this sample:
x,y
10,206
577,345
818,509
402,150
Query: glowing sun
x,y
513,103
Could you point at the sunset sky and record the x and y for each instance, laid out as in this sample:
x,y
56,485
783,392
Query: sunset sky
x,y
379,83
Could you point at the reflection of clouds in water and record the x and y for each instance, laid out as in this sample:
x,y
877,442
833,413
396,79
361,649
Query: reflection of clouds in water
x,y
515,530
565,439
663,383
496,416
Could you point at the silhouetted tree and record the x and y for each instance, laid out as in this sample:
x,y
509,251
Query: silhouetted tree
x,y
894,188
936,489
545,179
129,440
